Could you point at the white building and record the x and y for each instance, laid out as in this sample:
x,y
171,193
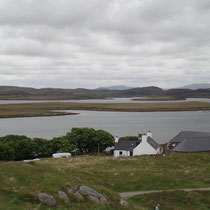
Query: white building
x,y
144,146
61,155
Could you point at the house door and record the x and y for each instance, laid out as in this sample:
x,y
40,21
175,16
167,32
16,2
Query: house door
x,y
131,153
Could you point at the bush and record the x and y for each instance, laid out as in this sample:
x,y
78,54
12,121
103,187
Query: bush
x,y
6,152
23,149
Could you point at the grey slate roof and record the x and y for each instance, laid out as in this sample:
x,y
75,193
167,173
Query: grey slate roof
x,y
130,145
187,134
126,145
194,144
153,143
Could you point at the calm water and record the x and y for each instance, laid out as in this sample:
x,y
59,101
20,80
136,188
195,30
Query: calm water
x,y
164,125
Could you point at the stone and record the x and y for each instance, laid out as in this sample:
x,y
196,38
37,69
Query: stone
x,y
73,189
81,190
47,199
123,203
78,196
63,196
87,191
94,199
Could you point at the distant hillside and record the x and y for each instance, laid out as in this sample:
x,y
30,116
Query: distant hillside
x,y
117,87
27,93
196,86
10,88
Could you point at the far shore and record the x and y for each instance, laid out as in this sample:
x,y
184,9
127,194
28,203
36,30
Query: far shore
x,y
161,98
47,109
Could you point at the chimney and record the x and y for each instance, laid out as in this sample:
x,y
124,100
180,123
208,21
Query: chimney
x,y
116,139
149,134
144,138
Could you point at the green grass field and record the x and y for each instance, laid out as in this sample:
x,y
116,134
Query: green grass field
x,y
21,182
46,109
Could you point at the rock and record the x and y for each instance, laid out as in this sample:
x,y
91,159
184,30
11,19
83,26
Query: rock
x,y
87,191
93,198
73,189
103,199
123,203
81,190
47,199
78,196
75,192
63,196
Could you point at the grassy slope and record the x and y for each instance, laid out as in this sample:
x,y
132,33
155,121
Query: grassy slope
x,y
177,200
21,182
45,109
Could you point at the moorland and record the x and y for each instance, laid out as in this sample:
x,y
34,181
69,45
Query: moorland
x,y
21,182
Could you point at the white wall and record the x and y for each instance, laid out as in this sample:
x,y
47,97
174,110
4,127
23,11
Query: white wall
x,y
144,148
124,153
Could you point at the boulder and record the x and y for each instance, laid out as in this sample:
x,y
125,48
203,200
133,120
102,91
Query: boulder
x,y
123,203
47,199
63,196
78,196
87,191
93,198
75,191
81,190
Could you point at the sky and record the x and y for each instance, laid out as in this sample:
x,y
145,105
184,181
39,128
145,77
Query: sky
x,y
94,43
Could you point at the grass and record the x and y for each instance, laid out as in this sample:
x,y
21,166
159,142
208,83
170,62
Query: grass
x,y
21,182
174,200
46,109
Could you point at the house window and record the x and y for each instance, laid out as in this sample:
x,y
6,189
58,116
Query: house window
x,y
120,152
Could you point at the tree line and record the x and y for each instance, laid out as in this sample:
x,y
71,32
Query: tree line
x,y
83,140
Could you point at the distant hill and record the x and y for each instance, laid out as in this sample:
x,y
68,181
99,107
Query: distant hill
x,y
116,87
196,86
11,88
27,93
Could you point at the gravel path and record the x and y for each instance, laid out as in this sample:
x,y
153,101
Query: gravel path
x,y
129,194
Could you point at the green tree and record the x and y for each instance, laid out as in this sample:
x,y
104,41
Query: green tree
x,y
102,140
88,140
61,144
81,138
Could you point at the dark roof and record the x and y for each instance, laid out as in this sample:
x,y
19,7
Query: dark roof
x,y
187,134
194,144
153,143
129,145
126,145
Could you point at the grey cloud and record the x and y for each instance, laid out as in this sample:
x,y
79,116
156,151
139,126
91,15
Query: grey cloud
x,y
88,43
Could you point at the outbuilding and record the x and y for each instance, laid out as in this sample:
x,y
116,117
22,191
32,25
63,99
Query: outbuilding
x,y
190,141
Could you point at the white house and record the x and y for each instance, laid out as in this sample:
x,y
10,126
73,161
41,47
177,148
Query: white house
x,y
146,145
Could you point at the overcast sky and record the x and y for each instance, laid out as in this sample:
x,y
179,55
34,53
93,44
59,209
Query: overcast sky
x,y
93,43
